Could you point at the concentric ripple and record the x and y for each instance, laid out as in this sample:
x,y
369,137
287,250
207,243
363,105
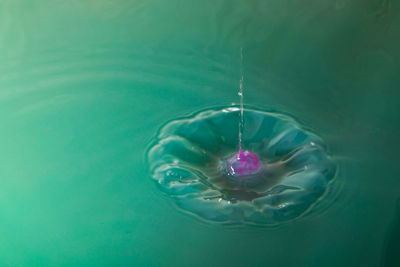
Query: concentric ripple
x,y
188,162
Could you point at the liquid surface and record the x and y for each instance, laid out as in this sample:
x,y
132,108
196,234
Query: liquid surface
x,y
85,86
193,160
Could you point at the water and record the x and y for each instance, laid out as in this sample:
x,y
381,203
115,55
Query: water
x,y
241,121
84,87
243,162
194,160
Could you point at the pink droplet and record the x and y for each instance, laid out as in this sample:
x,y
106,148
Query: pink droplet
x,y
243,163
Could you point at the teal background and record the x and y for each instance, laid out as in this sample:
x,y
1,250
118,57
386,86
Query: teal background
x,y
85,85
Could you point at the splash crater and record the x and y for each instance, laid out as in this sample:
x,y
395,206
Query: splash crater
x,y
281,172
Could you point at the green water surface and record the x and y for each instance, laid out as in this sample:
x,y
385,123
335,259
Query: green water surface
x,y
85,85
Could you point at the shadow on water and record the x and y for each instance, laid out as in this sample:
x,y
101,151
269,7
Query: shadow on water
x,y
392,247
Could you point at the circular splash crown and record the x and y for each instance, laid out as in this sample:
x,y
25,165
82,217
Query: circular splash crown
x,y
283,172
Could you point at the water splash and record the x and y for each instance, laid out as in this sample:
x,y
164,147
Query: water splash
x,y
279,172
191,160
241,121
243,163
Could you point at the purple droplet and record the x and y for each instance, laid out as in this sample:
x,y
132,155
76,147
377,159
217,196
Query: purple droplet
x,y
243,163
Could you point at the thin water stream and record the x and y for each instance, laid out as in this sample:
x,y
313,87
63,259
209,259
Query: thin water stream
x,y
241,121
